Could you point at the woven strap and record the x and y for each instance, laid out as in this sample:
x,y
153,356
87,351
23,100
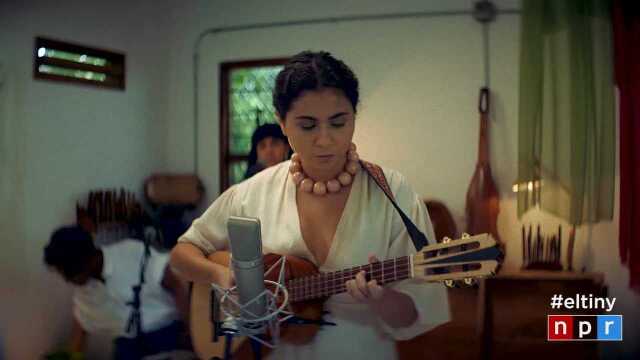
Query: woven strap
x,y
376,173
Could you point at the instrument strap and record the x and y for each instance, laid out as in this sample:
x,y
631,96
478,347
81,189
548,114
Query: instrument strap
x,y
377,174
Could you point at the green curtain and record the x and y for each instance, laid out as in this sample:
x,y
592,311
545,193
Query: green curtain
x,y
566,133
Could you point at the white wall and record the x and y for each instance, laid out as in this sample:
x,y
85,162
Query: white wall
x,y
70,139
440,56
419,86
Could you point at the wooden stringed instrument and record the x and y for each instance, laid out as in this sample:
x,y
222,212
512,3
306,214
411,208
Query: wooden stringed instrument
x,y
483,199
469,257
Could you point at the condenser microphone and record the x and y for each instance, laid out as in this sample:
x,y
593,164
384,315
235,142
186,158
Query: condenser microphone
x,y
248,267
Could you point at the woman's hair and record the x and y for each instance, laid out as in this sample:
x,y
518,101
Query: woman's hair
x,y
313,71
262,132
69,250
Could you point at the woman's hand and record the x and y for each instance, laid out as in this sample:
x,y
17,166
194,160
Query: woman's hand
x,y
363,291
227,279
393,307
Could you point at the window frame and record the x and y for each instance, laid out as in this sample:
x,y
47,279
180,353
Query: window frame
x,y
225,70
115,72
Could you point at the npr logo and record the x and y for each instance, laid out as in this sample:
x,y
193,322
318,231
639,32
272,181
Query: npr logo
x,y
584,327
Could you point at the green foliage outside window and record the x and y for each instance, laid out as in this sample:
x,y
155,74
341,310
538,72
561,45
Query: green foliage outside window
x,y
237,170
250,105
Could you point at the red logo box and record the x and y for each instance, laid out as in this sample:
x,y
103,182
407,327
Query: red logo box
x,y
559,327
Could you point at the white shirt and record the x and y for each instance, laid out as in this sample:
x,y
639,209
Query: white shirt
x,y
102,307
369,224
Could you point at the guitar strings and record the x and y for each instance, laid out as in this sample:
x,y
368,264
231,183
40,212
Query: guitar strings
x,y
372,269
401,261
321,285
324,284
312,290
330,283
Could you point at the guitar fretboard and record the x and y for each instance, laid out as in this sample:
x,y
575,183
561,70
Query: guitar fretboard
x,y
327,284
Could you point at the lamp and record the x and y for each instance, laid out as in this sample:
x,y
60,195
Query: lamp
x,y
526,185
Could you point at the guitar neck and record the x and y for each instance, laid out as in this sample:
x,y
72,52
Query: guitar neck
x,y
327,284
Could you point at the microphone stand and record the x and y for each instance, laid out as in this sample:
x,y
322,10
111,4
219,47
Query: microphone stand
x,y
244,323
257,349
134,323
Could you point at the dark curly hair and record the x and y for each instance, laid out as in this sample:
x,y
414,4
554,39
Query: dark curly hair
x,y
312,71
262,132
69,250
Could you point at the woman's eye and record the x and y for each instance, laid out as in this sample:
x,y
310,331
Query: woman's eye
x,y
338,125
307,126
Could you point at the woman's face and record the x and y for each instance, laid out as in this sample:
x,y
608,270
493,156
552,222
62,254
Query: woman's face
x,y
320,125
271,151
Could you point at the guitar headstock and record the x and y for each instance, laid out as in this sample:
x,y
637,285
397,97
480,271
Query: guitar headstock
x,y
466,258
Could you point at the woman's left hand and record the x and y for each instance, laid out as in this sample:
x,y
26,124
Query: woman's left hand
x,y
363,291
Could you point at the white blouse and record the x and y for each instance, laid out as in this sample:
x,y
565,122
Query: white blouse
x,y
369,225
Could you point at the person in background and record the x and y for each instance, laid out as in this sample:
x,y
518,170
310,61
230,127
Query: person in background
x,y
103,280
269,146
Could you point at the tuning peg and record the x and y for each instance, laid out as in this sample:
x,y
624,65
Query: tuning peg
x,y
445,240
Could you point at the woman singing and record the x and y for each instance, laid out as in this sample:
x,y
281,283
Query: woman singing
x,y
322,206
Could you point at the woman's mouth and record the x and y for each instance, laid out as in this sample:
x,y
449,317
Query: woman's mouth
x,y
327,157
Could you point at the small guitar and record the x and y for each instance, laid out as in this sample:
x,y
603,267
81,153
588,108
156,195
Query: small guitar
x,y
465,258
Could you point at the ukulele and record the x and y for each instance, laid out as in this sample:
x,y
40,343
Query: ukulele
x,y
469,257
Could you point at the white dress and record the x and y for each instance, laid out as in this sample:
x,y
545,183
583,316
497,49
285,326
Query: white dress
x,y
369,225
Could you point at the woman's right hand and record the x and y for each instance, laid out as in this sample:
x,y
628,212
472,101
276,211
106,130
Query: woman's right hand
x,y
226,278
192,265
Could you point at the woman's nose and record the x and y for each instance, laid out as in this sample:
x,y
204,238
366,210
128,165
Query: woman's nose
x,y
274,148
324,137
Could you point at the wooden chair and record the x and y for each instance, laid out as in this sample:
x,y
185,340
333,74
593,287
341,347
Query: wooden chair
x,y
456,339
170,196
173,190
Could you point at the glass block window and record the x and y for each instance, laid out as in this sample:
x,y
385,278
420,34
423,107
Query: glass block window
x,y
247,91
